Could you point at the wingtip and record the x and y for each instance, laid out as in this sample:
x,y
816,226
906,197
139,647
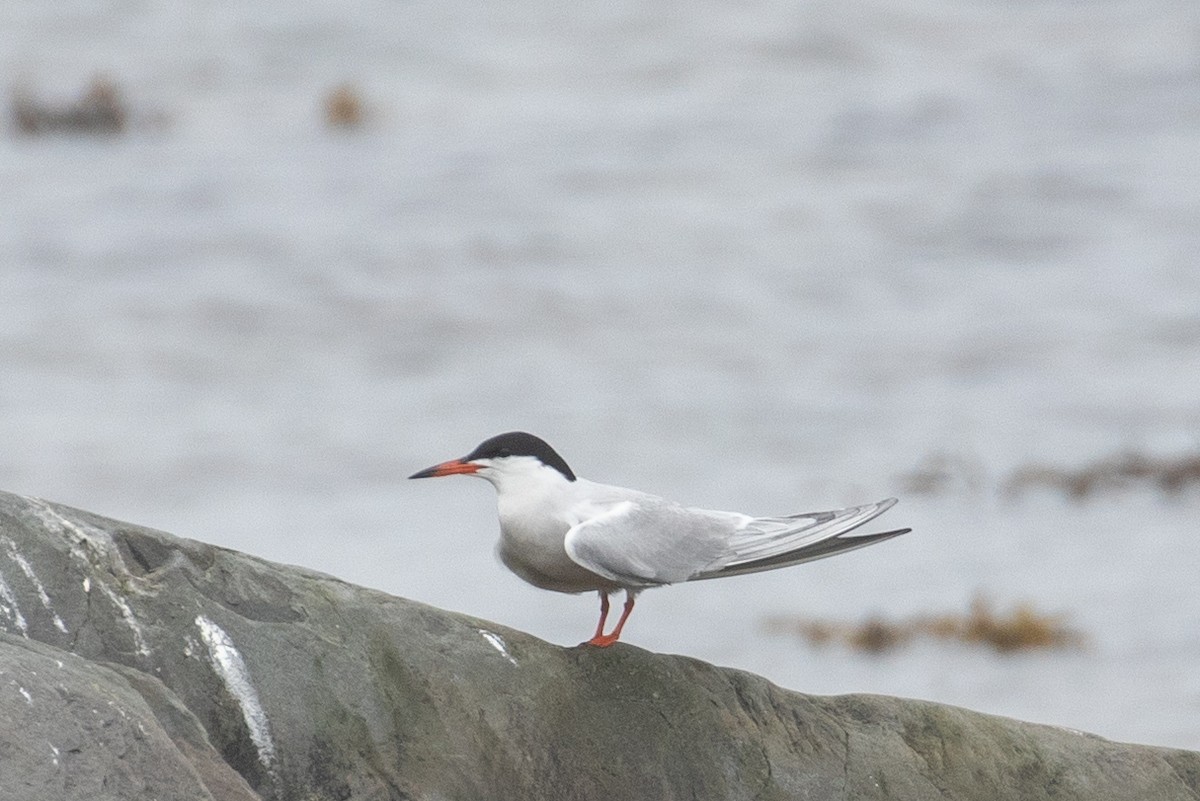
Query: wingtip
x,y
880,536
874,536
879,507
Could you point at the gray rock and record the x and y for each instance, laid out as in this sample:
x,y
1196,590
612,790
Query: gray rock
x,y
215,674
74,729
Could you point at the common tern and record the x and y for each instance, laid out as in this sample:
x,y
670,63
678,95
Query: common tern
x,y
567,534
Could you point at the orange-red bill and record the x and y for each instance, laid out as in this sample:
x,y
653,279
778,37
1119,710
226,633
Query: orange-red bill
x,y
450,468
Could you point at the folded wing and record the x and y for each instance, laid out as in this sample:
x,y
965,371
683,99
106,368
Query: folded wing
x,y
649,541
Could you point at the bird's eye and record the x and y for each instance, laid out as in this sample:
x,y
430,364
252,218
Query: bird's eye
x,y
504,452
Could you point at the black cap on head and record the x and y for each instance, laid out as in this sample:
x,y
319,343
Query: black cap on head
x,y
518,443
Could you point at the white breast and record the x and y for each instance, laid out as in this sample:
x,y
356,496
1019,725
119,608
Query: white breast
x,y
534,519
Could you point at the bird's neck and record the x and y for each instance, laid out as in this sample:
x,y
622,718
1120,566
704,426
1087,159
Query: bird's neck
x,y
532,494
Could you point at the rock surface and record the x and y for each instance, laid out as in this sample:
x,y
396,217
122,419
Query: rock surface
x,y
140,665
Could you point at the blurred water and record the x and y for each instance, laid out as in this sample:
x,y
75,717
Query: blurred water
x,y
751,256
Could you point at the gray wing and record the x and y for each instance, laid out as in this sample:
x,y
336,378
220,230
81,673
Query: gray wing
x,y
650,541
765,543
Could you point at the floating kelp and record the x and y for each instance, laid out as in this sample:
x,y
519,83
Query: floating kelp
x,y
1022,628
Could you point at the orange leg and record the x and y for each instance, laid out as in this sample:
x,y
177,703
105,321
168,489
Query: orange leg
x,y
603,615
601,639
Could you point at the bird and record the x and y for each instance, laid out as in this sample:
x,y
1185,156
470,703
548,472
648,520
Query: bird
x,y
564,533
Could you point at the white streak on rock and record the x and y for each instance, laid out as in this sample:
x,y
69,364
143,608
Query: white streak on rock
x,y
25,694
8,605
232,669
27,569
92,546
82,532
139,637
498,643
